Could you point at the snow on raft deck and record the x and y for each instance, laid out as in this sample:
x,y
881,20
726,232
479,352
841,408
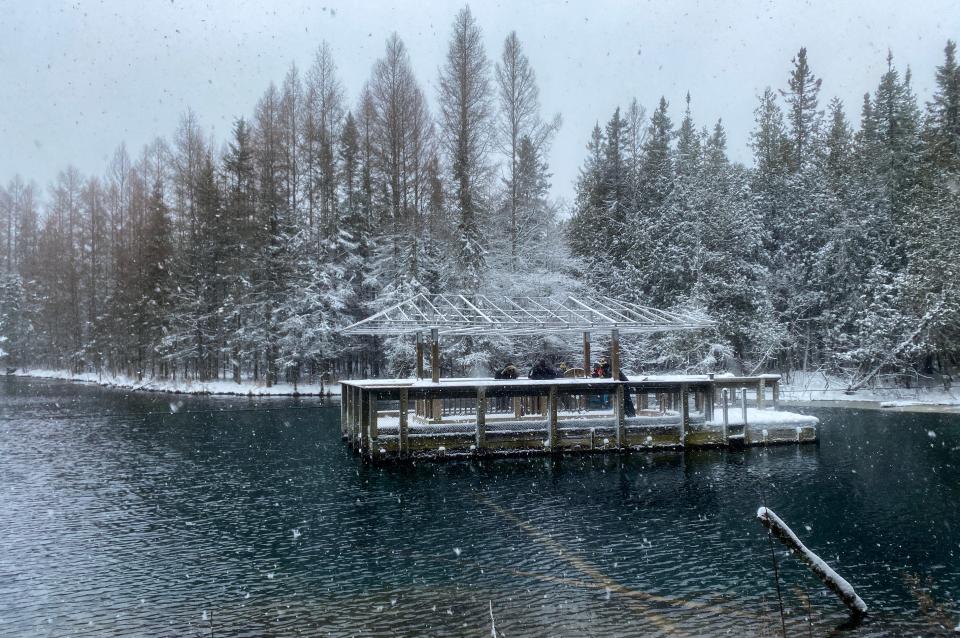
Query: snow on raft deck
x,y
390,419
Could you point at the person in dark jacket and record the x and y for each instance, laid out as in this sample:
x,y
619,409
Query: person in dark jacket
x,y
603,371
628,408
542,370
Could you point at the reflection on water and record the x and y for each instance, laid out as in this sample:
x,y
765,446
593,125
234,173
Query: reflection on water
x,y
155,515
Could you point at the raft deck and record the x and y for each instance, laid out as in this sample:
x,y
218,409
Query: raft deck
x,y
387,419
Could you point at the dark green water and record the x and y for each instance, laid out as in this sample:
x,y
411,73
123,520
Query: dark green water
x,y
239,517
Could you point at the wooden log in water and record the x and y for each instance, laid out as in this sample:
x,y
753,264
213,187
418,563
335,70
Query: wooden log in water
x,y
824,572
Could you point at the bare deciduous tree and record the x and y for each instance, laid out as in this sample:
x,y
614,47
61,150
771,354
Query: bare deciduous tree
x,y
519,117
402,135
323,120
465,119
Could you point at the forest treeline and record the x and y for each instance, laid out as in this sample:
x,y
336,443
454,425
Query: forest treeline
x,y
837,250
242,259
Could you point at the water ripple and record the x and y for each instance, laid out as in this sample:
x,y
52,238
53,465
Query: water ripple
x,y
253,519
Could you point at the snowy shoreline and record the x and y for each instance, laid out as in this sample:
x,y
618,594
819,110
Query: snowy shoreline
x,y
221,388
811,389
814,388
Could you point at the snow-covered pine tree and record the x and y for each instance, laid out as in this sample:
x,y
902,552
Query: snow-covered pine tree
x,y
156,285
802,97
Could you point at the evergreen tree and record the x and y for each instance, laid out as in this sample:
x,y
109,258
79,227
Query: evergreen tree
x,y
802,94
243,235
943,122
652,223
688,146
656,169
157,284
15,322
586,233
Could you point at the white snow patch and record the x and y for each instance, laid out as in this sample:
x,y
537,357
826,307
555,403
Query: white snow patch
x,y
770,418
180,386
817,386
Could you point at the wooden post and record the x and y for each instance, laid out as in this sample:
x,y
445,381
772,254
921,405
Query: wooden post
x,y
776,394
435,354
708,400
743,404
684,412
618,416
419,355
614,354
351,413
517,407
761,391
358,418
343,416
553,438
643,400
346,397
437,407
586,353
725,397
403,444
743,407
372,437
420,406
364,424
584,399
481,438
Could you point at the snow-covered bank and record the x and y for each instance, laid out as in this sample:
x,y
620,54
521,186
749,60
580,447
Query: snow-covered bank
x,y
180,386
817,386
773,418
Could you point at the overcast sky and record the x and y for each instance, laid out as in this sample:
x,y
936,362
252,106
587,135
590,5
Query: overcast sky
x,y
78,78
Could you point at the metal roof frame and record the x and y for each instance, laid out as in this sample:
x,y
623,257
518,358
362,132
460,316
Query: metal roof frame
x,y
462,315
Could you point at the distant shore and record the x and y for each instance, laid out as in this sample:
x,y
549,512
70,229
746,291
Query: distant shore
x,y
817,389
170,386
802,390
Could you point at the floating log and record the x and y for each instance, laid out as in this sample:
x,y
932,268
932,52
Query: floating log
x,y
830,578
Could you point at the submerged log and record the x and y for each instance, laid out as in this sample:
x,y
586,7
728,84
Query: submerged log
x,y
830,578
